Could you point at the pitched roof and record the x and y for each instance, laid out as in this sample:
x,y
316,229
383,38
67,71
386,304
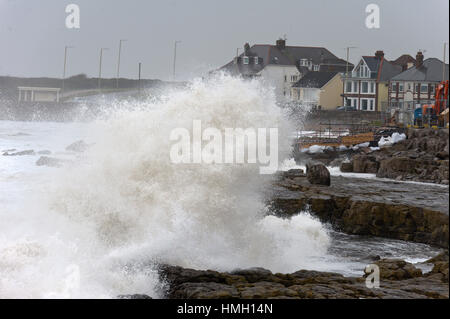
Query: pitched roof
x,y
430,71
289,55
404,59
383,68
388,70
315,79
372,63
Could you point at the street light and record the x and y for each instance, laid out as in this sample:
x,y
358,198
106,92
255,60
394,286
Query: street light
x,y
175,59
66,48
348,55
118,63
100,69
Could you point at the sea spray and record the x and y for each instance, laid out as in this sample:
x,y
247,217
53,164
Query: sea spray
x,y
124,207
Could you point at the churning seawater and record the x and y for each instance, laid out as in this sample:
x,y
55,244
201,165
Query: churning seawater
x,y
99,226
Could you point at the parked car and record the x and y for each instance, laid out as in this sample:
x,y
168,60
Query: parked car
x,y
346,108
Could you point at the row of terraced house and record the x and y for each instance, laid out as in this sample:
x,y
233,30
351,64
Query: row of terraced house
x,y
315,76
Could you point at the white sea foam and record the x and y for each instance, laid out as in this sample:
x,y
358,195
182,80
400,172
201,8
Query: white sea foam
x,y
96,228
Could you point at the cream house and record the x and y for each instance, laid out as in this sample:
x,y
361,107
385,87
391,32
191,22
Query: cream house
x,y
321,90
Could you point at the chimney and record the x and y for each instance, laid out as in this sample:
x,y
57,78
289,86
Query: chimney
x,y
419,59
246,48
379,54
281,44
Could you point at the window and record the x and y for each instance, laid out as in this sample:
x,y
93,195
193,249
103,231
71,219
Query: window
x,y
285,78
364,103
424,88
355,86
246,60
372,104
433,89
316,67
364,87
372,87
417,89
294,78
348,102
400,87
256,59
409,86
304,62
348,86
394,87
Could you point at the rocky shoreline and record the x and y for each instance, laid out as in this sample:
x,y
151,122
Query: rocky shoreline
x,y
368,207
398,279
422,157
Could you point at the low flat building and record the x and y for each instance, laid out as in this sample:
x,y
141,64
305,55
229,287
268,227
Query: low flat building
x,y
321,90
38,94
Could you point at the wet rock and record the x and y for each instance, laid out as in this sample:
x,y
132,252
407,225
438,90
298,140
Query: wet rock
x,y
44,152
346,167
79,147
397,269
136,296
399,280
50,162
292,173
23,153
318,174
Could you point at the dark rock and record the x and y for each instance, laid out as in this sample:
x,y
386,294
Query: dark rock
x,y
346,167
79,147
318,174
137,296
23,153
50,162
399,280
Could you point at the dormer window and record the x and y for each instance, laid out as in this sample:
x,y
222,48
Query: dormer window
x,y
256,59
245,60
316,67
304,62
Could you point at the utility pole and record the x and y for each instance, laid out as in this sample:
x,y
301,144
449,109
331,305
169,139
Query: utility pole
x,y
100,69
348,56
118,63
175,59
65,66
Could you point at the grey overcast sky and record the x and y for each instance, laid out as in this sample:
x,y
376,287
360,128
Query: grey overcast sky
x,y
33,32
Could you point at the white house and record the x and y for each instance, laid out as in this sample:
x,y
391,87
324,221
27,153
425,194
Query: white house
x,y
282,65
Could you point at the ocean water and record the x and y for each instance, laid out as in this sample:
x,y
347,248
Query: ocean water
x,y
99,226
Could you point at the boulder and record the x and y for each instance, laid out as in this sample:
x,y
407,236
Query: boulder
x,y
50,162
396,269
79,147
346,167
318,174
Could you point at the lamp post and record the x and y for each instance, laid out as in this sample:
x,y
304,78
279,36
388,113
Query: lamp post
x,y
100,69
348,56
175,59
118,63
66,48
